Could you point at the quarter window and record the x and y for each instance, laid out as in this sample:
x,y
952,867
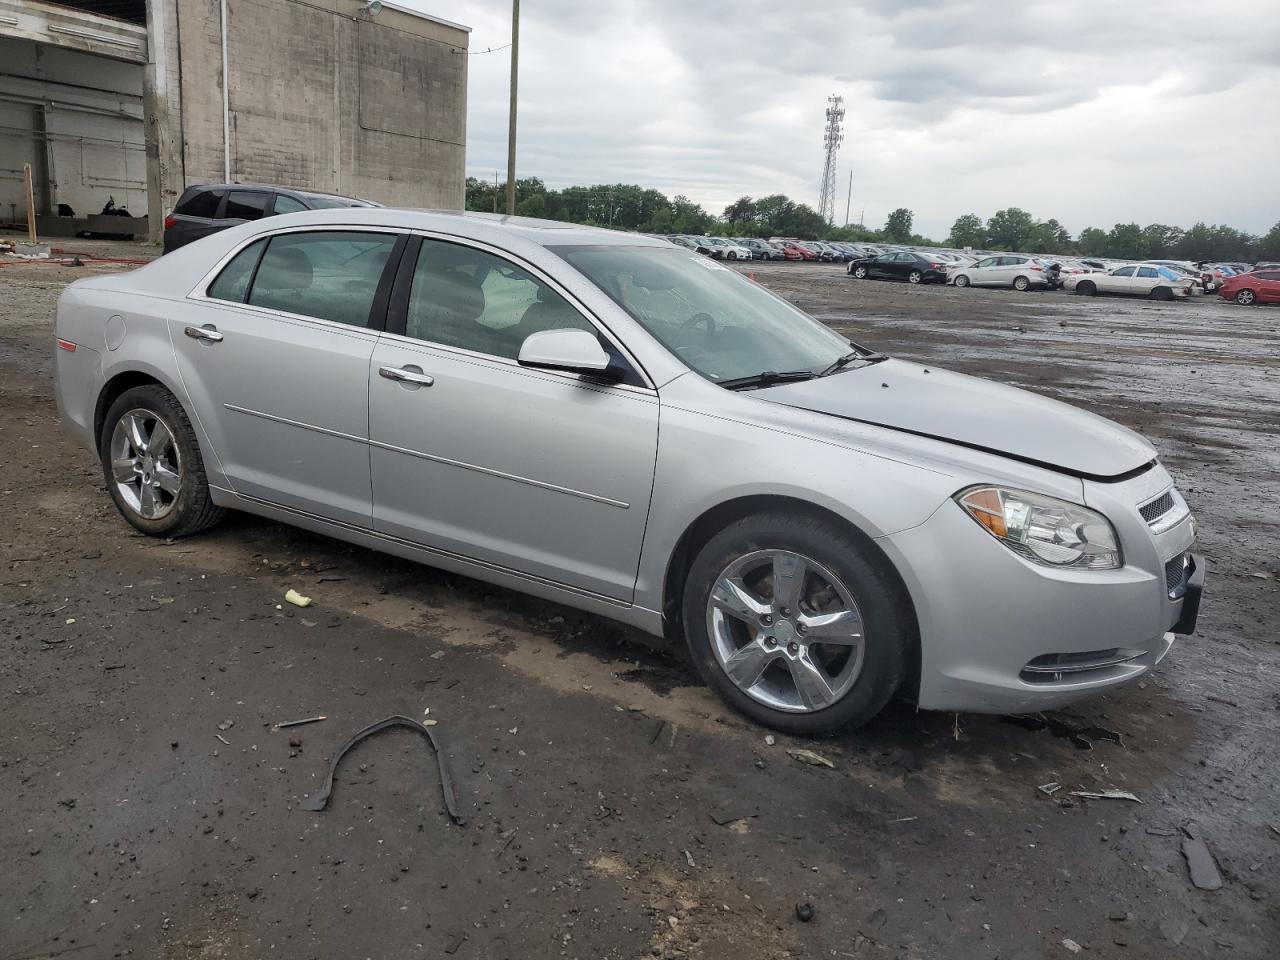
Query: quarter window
x,y
233,282
202,203
463,297
286,204
329,275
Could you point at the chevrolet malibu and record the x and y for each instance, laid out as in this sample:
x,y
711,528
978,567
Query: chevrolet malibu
x,y
618,424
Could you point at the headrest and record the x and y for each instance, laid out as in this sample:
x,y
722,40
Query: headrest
x,y
285,267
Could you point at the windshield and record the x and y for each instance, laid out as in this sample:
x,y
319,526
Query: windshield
x,y
711,317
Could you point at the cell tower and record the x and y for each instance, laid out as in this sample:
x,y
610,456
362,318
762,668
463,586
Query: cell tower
x,y
832,137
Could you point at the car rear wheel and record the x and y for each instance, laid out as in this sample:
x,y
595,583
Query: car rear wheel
x,y
1246,298
915,276
1087,288
962,280
860,272
1021,283
1161,293
151,462
796,623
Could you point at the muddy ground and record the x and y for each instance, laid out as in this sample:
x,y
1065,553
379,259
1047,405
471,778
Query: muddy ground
x,y
613,807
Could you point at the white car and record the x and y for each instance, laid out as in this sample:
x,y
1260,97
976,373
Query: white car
x,y
723,249
1006,270
1134,280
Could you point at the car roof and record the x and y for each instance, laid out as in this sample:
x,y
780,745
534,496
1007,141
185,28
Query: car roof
x,y
495,227
277,188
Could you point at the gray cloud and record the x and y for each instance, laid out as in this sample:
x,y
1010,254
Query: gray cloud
x,y
956,107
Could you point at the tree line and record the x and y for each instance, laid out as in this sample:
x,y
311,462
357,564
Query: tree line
x,y
627,206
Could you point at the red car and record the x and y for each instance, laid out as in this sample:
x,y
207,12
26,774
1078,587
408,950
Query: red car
x,y
795,252
1261,286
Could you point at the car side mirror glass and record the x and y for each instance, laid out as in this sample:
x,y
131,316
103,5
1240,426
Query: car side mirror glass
x,y
573,351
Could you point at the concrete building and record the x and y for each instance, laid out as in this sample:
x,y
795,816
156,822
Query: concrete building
x,y
134,100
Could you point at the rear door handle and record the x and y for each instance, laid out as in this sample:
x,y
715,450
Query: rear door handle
x,y
208,334
406,375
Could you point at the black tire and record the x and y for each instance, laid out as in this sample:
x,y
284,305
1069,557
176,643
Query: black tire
x,y
915,276
193,509
1021,284
1086,288
888,618
962,280
1246,297
1161,293
860,272
732,255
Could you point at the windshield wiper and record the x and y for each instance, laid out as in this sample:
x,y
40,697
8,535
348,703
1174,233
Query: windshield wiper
x,y
767,378
842,362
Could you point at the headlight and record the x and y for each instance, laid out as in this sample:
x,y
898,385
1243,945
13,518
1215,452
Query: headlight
x,y
1044,530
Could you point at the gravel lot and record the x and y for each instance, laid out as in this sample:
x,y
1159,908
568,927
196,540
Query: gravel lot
x,y
613,807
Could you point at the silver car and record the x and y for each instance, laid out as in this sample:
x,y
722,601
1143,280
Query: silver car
x,y
618,424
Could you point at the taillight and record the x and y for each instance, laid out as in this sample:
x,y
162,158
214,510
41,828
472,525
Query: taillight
x,y
170,222
1035,268
935,266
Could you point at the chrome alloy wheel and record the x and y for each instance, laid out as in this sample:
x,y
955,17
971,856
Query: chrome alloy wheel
x,y
146,466
786,631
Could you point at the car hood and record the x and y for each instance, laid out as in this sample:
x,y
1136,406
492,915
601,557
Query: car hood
x,y
972,412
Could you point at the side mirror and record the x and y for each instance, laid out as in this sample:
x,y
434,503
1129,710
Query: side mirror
x,y
574,351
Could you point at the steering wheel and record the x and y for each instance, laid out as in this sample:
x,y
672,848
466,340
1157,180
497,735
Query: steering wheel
x,y
700,317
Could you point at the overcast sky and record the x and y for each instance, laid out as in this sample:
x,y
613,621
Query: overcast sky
x,y
1090,112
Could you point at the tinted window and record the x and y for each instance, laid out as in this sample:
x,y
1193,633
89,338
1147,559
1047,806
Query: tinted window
x,y
202,203
1123,272
1268,275
286,204
1148,272
233,282
328,203
330,275
462,297
989,262
245,205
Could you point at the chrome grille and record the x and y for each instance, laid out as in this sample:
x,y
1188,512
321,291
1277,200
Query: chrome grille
x,y
1175,576
1157,508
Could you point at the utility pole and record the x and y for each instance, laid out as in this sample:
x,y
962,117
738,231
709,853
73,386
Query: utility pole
x,y
495,191
511,129
848,199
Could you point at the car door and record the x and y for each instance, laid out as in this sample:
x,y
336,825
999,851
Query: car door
x,y
1268,286
980,273
274,354
1145,279
537,471
1117,281
881,267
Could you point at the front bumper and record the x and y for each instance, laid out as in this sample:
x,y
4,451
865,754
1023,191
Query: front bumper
x,y
999,634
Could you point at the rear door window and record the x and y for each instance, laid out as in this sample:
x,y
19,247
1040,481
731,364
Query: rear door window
x,y
1123,272
246,205
327,274
202,203
1148,272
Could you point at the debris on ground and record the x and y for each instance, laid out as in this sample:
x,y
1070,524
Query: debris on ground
x,y
811,758
319,800
1105,795
223,739
1050,788
770,740
297,723
1072,945
689,858
1081,735
804,912
297,599
1201,866
226,724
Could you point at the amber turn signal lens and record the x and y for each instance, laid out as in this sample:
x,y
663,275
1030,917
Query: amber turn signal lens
x,y
984,506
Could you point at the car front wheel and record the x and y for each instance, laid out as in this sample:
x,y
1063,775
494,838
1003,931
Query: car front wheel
x,y
962,281
860,272
151,462
1245,298
797,623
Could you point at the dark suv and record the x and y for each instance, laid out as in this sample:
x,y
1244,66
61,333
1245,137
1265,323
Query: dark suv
x,y
206,209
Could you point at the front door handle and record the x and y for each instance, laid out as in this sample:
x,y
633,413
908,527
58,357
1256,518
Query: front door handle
x,y
406,375
208,334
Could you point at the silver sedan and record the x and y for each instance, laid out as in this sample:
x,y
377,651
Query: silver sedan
x,y
615,423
